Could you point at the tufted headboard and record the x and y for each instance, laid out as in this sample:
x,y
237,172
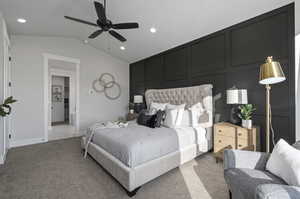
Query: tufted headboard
x,y
188,96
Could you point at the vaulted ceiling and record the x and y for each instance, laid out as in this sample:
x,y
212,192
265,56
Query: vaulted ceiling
x,y
177,22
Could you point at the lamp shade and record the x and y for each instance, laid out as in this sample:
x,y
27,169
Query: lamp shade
x,y
271,72
237,96
138,99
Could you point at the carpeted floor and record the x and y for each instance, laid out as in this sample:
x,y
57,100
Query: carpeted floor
x,y
57,170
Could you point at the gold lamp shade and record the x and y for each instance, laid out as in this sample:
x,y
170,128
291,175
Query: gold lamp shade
x,y
271,72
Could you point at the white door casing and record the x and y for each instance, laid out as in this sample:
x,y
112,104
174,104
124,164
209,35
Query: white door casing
x,y
47,91
7,88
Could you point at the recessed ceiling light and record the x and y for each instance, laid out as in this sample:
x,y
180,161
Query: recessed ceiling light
x,y
85,41
122,47
20,20
153,30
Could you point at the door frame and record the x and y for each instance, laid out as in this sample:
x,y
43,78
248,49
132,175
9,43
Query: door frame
x,y
6,89
47,103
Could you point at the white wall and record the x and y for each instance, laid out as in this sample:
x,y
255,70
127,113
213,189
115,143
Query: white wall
x,y
28,87
58,108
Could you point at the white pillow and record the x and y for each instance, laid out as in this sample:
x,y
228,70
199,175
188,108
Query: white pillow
x,y
186,119
171,116
196,111
154,107
180,109
174,114
284,162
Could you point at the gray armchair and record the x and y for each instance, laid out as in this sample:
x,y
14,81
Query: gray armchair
x,y
246,177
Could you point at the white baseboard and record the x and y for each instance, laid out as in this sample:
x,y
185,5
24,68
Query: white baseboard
x,y
26,142
2,159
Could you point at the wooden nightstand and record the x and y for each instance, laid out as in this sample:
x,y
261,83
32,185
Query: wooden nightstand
x,y
131,116
230,136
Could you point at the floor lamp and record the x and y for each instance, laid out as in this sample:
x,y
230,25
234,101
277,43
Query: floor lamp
x,y
270,73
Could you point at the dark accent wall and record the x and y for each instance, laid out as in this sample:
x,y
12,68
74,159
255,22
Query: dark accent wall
x,y
231,57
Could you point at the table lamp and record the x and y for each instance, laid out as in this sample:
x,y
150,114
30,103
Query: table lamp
x,y
270,73
138,101
236,96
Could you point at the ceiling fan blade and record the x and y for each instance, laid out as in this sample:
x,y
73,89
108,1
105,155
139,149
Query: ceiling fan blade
x,y
81,21
95,34
117,36
125,25
100,12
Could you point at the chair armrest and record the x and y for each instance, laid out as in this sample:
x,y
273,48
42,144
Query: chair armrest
x,y
277,191
245,159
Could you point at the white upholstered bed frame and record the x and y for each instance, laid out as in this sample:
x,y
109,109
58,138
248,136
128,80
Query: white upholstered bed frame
x,y
132,178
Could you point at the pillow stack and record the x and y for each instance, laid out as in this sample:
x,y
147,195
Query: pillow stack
x,y
177,115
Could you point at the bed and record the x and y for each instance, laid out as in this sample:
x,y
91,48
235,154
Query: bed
x,y
137,154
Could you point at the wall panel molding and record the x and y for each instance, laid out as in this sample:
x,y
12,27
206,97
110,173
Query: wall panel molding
x,y
231,57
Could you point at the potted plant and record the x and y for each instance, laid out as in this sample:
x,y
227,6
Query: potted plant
x,y
5,108
245,114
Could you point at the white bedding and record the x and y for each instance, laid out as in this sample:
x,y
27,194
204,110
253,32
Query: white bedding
x,y
188,136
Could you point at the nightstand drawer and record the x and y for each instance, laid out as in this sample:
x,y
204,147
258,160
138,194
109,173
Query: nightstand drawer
x,y
242,133
242,143
224,131
221,142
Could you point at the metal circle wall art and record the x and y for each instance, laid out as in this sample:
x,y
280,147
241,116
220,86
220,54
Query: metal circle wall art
x,y
105,83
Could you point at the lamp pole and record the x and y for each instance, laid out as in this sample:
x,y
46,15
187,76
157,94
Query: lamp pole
x,y
268,89
270,73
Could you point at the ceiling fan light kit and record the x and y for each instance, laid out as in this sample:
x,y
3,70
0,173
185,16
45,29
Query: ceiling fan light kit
x,y
105,24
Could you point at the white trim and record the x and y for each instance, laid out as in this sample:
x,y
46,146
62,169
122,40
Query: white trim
x,y
61,58
26,142
46,57
2,158
5,79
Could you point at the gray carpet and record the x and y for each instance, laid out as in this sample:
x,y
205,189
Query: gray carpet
x,y
57,170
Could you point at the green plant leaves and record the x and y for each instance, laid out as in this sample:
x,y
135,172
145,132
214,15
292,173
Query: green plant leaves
x,y
5,108
9,100
246,111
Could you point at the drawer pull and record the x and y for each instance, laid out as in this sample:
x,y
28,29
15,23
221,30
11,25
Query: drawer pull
x,y
220,131
240,145
220,141
239,134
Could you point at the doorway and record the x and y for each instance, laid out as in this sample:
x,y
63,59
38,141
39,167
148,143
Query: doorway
x,y
61,97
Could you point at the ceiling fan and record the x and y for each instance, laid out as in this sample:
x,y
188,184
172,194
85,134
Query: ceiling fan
x,y
105,24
